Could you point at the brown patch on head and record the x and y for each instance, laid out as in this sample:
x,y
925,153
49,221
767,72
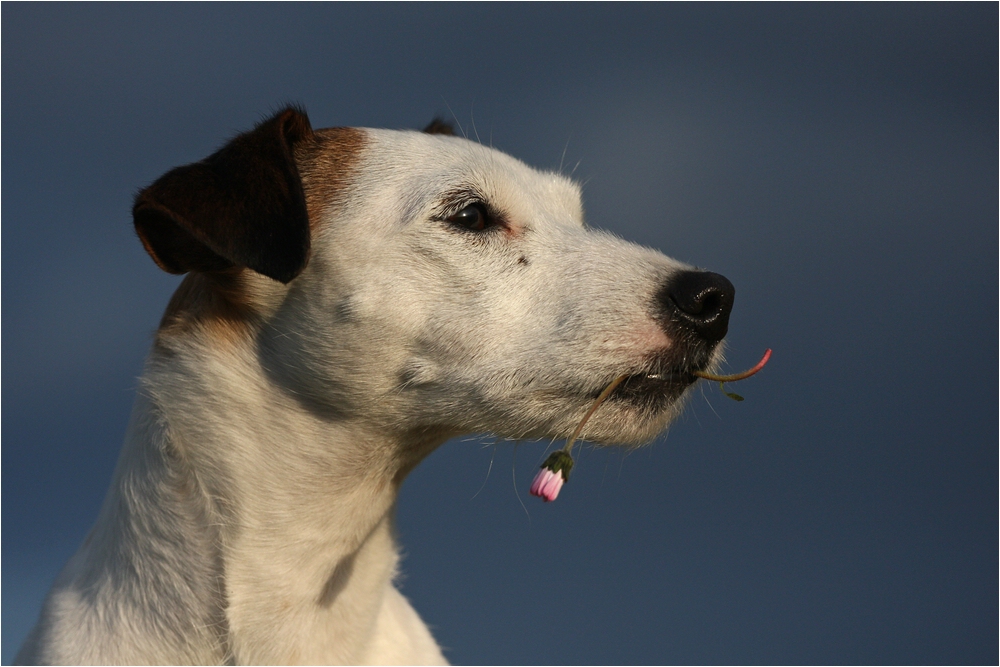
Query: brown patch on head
x,y
326,163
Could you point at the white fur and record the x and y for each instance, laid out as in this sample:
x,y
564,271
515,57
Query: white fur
x,y
251,515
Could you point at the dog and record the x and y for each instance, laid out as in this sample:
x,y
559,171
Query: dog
x,y
353,299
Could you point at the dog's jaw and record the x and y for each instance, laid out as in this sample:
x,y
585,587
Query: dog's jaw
x,y
431,327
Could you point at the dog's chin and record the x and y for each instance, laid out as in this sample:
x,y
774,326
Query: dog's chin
x,y
623,424
641,407
637,410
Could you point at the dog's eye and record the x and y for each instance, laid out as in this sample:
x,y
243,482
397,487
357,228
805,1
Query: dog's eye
x,y
473,217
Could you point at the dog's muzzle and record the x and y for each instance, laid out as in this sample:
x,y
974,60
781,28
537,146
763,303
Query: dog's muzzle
x,y
693,308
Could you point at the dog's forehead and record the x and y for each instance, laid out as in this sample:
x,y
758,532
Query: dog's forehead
x,y
426,165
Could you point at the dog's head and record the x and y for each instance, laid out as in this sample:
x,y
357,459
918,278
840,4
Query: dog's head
x,y
417,280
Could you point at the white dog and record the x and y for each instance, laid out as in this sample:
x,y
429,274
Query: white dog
x,y
354,298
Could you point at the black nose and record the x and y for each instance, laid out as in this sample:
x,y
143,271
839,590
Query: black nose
x,y
699,301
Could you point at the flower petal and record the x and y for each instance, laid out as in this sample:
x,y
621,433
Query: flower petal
x,y
540,479
551,488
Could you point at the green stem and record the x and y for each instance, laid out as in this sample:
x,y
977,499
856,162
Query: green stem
x,y
600,399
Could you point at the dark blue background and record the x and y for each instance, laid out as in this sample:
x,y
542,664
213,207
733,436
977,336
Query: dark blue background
x,y
837,162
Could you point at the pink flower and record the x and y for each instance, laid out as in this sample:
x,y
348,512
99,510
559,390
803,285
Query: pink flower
x,y
552,476
547,484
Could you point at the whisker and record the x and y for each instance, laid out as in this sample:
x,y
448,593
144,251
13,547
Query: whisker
x,y
562,157
513,476
472,114
710,406
488,470
457,121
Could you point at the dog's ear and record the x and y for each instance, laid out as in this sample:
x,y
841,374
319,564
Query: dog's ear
x,y
438,126
241,206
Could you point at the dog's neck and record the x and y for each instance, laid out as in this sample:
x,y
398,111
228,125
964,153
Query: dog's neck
x,y
252,514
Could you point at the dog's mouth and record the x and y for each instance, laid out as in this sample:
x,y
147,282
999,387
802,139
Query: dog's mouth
x,y
670,383
652,390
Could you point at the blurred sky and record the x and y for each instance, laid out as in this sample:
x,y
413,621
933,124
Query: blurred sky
x,y
837,162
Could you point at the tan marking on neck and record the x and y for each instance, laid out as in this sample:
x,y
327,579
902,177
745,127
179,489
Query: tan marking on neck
x,y
214,303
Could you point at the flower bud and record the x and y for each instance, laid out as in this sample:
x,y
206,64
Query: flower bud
x,y
552,476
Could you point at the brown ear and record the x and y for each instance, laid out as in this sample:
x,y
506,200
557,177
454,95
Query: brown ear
x,y
243,205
